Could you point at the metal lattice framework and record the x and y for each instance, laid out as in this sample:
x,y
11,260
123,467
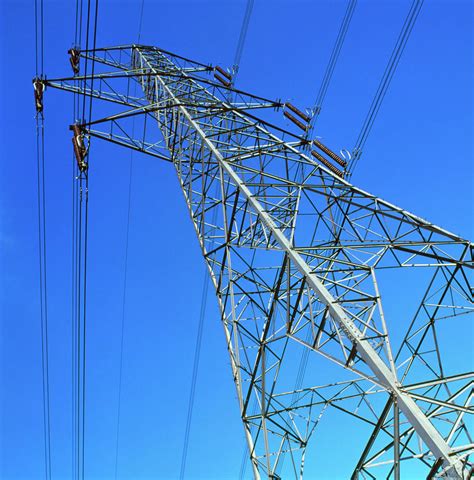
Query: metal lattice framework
x,y
297,255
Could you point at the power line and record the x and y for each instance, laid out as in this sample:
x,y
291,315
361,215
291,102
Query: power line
x,y
93,62
237,59
140,22
197,355
73,337
333,60
341,36
41,199
42,250
80,257
76,265
73,305
122,329
83,116
242,36
74,300
86,231
321,95
124,291
385,81
197,352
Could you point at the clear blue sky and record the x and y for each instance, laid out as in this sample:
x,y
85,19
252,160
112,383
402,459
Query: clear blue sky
x,y
418,156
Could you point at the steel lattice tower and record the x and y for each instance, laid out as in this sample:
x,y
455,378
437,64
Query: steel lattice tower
x,y
296,253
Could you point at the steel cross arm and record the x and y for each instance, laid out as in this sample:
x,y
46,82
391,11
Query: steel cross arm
x,y
145,148
183,74
106,96
385,376
131,74
151,48
343,183
146,109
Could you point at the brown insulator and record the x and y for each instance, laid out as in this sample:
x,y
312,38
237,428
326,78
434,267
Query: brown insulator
x,y
224,82
327,164
330,153
296,121
223,72
38,87
76,128
74,57
298,112
79,147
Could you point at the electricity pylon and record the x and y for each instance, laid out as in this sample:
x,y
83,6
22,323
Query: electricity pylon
x,y
301,262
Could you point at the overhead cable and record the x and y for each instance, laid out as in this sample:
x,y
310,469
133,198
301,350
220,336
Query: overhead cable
x,y
42,248
197,356
125,278
80,232
341,36
241,42
75,273
385,81
236,65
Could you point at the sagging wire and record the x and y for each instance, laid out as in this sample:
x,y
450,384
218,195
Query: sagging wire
x,y
235,70
86,231
38,86
124,290
80,214
341,36
316,110
385,81
241,42
206,281
369,120
79,203
41,200
75,268
354,157
351,5
122,329
197,355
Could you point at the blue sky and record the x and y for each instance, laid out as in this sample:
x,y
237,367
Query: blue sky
x,y
418,156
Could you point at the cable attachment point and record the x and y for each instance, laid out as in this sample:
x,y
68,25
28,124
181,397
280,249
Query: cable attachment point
x,y
330,153
298,112
293,119
74,57
227,81
80,149
304,126
38,86
328,164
